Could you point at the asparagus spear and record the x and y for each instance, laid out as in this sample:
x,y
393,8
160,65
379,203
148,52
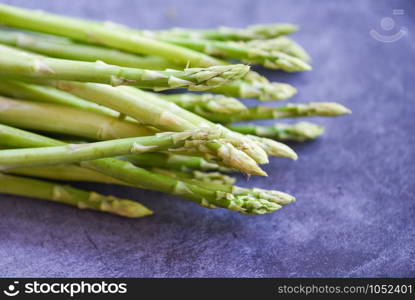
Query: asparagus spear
x,y
15,64
209,103
253,32
16,138
264,91
22,90
211,181
40,189
61,47
65,172
298,132
233,50
67,120
281,44
76,173
327,109
247,202
173,161
79,152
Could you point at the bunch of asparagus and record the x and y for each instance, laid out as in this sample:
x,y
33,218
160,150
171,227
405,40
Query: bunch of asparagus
x,y
82,101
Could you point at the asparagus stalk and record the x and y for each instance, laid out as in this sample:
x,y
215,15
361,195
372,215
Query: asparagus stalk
x,y
15,138
84,31
77,173
326,109
202,177
65,173
298,132
15,64
67,120
247,202
253,32
233,50
27,91
61,47
210,181
281,44
40,189
173,161
208,103
78,152
264,91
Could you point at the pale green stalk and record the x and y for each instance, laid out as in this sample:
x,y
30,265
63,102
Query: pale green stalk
x,y
208,103
253,32
281,44
65,173
27,91
268,91
65,48
232,50
79,152
40,189
298,132
67,120
326,109
174,161
15,64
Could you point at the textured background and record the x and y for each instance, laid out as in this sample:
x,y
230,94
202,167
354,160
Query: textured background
x,y
355,186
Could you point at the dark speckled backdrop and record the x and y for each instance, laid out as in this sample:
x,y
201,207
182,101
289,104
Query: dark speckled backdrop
x,y
355,186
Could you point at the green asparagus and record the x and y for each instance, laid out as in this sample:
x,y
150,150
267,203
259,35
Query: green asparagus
x,y
79,152
60,47
298,132
40,189
27,91
208,103
14,64
232,50
67,120
327,109
253,32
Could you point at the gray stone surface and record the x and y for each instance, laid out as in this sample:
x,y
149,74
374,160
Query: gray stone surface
x,y
355,186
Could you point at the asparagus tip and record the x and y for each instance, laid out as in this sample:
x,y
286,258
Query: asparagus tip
x,y
329,109
275,148
126,208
